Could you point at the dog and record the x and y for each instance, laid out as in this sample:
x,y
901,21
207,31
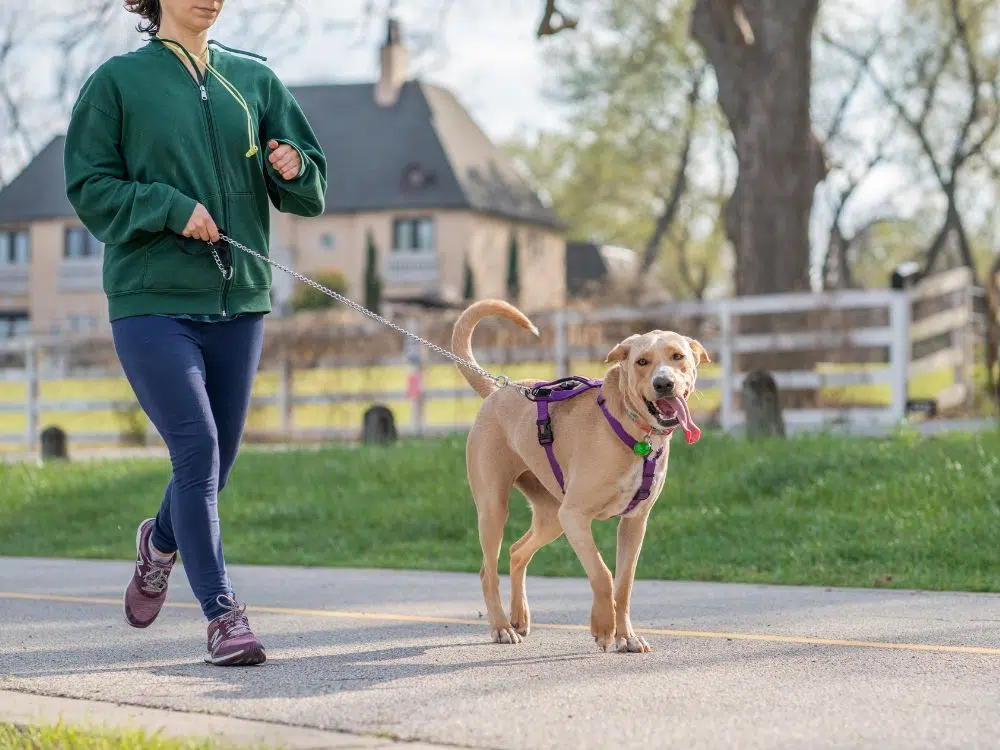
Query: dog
x,y
646,388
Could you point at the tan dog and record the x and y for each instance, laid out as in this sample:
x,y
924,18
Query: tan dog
x,y
653,375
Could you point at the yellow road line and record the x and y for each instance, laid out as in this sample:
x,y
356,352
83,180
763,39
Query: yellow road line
x,y
429,619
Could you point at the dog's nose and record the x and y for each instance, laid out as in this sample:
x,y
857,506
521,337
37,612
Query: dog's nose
x,y
663,385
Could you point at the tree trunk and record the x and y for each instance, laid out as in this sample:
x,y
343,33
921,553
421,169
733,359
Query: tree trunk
x,y
763,69
761,51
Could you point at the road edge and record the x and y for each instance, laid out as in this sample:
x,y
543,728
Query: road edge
x,y
30,709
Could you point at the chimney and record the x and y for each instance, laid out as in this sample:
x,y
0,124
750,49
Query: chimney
x,y
392,71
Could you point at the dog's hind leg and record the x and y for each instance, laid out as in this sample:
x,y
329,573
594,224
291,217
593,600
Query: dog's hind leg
x,y
545,528
491,479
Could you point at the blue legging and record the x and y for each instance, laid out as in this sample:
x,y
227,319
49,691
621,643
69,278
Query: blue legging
x,y
193,380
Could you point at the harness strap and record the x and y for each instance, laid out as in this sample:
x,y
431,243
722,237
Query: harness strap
x,y
567,388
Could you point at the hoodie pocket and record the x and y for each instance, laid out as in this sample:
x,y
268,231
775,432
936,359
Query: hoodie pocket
x,y
247,227
177,264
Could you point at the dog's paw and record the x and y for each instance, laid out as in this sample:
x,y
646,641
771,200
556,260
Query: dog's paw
x,y
506,635
521,630
604,642
632,644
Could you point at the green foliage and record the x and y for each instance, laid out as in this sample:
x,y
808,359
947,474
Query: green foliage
x,y
373,281
468,282
308,298
626,78
513,269
810,510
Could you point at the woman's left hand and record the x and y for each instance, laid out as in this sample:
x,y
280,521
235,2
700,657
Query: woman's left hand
x,y
285,159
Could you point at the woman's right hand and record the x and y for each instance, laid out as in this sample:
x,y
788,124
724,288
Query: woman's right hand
x,y
201,226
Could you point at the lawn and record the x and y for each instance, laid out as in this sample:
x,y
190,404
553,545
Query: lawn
x,y
60,737
906,511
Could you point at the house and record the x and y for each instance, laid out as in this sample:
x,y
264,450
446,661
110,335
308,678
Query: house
x,y
408,167
592,269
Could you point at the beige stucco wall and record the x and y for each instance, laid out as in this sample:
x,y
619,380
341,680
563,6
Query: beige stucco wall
x,y
483,238
48,303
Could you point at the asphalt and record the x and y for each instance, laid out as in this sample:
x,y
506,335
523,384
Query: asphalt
x,y
378,654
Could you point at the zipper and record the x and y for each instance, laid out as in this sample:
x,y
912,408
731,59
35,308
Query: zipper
x,y
201,81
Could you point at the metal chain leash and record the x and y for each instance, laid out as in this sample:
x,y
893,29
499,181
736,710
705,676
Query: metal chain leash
x,y
502,381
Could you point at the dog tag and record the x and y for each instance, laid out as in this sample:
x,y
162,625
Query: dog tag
x,y
642,448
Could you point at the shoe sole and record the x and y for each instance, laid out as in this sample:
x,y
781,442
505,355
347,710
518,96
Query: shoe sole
x,y
244,658
138,540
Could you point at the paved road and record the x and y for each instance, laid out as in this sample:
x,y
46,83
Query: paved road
x,y
406,654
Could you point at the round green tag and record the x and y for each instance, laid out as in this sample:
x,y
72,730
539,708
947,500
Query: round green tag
x,y
642,448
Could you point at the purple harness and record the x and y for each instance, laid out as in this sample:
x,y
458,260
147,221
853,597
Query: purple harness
x,y
565,389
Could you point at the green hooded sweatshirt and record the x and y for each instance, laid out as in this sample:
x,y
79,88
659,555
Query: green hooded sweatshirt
x,y
147,141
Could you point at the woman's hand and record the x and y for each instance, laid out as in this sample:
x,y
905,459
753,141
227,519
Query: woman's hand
x,y
285,160
201,226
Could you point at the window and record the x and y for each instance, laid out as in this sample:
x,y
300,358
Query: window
x,y
13,324
326,241
413,235
82,245
81,323
15,248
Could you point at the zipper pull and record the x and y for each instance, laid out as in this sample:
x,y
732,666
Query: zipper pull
x,y
204,94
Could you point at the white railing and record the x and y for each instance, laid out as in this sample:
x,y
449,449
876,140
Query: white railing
x,y
932,321
80,275
419,267
15,279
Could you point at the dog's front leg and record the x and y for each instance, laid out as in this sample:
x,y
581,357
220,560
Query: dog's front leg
x,y
577,527
631,532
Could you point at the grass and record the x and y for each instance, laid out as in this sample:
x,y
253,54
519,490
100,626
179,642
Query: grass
x,y
62,737
906,511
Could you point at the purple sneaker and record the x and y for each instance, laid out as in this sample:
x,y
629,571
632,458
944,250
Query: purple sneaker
x,y
231,643
147,590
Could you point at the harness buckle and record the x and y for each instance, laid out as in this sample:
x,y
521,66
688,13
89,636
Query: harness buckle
x,y
545,436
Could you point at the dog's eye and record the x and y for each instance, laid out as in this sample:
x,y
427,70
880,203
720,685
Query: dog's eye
x,y
678,356
642,362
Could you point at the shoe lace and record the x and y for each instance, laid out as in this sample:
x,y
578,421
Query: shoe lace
x,y
155,579
234,619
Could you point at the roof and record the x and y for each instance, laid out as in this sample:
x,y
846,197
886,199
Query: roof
x,y
38,192
370,151
585,267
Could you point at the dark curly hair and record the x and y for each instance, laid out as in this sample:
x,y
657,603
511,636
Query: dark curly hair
x,y
150,11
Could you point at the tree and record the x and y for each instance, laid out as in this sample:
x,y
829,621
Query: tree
x,y
468,282
637,163
373,280
513,269
939,77
306,297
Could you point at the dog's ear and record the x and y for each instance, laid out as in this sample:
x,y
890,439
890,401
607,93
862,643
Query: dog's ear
x,y
700,355
621,350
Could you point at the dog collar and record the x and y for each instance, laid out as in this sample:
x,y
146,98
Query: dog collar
x,y
646,427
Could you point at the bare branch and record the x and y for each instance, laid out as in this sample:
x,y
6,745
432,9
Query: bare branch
x,y
672,204
554,21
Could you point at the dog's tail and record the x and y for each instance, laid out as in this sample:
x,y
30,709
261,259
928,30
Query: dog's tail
x,y
461,337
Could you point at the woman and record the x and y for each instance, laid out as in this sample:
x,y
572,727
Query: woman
x,y
163,156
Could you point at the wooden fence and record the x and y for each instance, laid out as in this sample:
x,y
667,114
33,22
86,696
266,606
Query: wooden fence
x,y
870,355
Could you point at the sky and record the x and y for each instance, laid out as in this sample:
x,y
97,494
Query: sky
x,y
485,52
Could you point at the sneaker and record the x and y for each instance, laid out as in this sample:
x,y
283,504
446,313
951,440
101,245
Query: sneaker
x,y
147,590
231,643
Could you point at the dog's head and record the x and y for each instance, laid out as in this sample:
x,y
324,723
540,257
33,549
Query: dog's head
x,y
657,368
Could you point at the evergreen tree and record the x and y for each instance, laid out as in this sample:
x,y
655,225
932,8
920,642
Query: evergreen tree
x,y
513,270
373,282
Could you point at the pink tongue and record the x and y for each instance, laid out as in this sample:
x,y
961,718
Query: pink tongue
x,y
691,432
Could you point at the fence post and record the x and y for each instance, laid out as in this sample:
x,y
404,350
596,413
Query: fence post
x,y
415,386
727,416
962,338
561,343
899,352
286,391
31,391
